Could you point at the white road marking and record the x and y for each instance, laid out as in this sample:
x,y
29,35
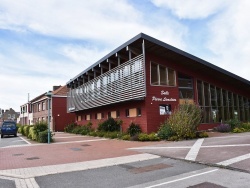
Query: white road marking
x,y
234,160
222,146
25,140
193,152
180,179
187,147
181,147
68,137
95,140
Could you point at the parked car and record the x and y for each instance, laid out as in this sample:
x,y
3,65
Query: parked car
x,y
8,128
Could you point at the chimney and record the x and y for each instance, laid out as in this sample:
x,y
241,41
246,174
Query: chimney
x,y
56,87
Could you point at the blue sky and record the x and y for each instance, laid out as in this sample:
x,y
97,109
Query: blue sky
x,y
48,42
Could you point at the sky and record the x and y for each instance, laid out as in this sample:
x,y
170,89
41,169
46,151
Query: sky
x,y
47,42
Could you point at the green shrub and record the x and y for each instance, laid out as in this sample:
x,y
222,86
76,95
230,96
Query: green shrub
x,y
165,131
239,130
110,125
100,133
43,136
184,120
26,130
20,129
234,123
40,127
153,137
246,126
148,137
125,137
134,129
31,133
111,135
92,133
69,128
143,137
202,134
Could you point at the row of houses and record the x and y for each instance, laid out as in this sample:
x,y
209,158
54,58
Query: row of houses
x,y
143,81
36,110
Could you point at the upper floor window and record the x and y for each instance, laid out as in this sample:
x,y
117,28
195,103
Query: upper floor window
x,y
39,107
43,105
161,75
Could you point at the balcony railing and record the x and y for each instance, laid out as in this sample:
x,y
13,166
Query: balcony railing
x,y
122,83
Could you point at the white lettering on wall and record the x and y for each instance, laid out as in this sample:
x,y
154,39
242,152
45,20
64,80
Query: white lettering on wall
x,y
164,92
162,99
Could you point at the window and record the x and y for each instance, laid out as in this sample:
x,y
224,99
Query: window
x,y
79,118
88,117
39,107
185,87
133,112
43,105
138,111
99,115
161,75
113,114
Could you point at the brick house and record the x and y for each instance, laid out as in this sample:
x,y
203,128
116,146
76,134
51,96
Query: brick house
x,y
58,109
9,114
144,79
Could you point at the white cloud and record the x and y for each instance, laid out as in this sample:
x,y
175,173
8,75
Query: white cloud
x,y
229,39
57,39
192,9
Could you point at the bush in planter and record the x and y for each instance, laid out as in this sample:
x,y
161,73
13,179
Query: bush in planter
x,y
110,125
223,128
134,129
31,133
185,120
246,126
234,123
26,130
111,135
165,131
239,130
39,127
69,128
20,129
148,137
125,137
43,137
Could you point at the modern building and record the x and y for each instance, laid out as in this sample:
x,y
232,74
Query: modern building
x,y
59,117
144,79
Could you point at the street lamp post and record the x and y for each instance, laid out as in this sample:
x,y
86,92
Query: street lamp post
x,y
49,95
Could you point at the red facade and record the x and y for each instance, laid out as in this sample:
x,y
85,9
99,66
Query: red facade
x,y
160,53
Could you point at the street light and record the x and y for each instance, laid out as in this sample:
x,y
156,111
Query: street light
x,y
49,95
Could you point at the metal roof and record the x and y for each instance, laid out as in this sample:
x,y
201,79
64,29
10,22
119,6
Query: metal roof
x,y
162,49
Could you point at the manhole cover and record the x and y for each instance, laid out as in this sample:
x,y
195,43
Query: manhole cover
x,y
137,170
76,149
32,158
206,185
85,145
17,154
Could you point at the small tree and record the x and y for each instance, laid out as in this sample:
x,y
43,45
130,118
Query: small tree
x,y
184,120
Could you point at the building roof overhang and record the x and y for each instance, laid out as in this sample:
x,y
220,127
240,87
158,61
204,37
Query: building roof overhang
x,y
164,50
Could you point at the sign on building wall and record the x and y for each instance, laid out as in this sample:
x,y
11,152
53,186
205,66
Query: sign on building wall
x,y
165,109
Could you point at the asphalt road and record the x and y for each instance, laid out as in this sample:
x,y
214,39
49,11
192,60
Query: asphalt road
x,y
161,172
8,141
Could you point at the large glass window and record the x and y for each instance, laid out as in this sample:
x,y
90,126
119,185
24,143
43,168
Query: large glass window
x,y
220,105
185,87
161,75
154,74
